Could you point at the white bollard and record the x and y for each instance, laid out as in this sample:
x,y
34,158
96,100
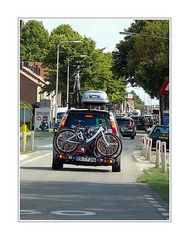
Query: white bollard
x,y
158,153
149,153
23,142
147,146
163,157
32,140
143,145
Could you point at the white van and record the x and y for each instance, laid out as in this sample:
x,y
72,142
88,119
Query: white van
x,y
60,113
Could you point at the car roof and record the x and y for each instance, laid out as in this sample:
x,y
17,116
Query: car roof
x,y
124,118
137,117
161,126
88,110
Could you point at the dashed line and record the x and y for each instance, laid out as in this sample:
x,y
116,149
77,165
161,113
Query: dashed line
x,y
161,209
158,206
154,202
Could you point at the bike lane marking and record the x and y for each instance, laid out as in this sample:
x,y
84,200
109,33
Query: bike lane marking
x,y
34,159
29,211
158,206
73,213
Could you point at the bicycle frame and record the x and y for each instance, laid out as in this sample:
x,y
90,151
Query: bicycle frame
x,y
89,140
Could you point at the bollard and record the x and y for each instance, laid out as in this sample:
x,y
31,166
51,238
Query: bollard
x,y
23,142
163,157
147,146
158,153
149,153
32,140
143,145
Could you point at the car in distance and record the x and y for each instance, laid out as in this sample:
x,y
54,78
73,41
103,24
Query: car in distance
x,y
126,126
91,119
159,132
141,122
150,120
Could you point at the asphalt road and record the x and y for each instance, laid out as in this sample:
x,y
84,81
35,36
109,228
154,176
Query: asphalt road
x,y
86,193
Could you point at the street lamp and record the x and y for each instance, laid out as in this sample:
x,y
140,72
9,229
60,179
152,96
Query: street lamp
x,y
129,34
68,76
57,71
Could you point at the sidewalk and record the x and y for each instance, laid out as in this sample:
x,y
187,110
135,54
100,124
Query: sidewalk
x,y
144,163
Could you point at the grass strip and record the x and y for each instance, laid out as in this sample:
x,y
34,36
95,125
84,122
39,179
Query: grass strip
x,y
158,181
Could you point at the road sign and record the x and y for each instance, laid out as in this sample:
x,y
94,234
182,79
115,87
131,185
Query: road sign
x,y
25,115
165,88
41,114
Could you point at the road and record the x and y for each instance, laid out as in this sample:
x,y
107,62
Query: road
x,y
86,193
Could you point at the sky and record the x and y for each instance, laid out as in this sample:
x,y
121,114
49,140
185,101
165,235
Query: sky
x,y
105,32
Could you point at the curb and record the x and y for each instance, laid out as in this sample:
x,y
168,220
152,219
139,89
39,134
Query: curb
x,y
138,157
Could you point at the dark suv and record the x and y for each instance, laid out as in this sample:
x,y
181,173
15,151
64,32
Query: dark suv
x,y
141,123
127,127
91,119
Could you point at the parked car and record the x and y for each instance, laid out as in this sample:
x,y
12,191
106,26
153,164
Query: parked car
x,y
127,127
91,119
159,132
141,123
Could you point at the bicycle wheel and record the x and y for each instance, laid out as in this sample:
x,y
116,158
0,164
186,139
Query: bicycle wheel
x,y
65,141
109,146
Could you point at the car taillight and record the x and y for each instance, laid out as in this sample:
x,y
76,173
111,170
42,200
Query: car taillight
x,y
114,128
62,122
130,125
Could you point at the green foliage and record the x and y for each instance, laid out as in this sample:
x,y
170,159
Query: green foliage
x,y
158,181
144,60
138,103
33,41
26,104
98,73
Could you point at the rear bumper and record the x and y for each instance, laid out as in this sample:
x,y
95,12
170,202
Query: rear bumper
x,y
85,160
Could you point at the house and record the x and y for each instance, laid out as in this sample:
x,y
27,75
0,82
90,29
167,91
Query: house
x,y
31,83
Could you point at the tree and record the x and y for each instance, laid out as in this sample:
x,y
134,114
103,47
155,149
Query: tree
x,y
33,41
144,60
98,73
138,103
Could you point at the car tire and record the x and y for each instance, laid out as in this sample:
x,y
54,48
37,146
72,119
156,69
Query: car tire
x,y
56,164
116,167
132,137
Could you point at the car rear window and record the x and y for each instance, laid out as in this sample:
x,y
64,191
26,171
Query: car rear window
x,y
90,119
139,119
123,122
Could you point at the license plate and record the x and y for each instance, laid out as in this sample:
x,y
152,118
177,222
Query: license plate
x,y
85,159
166,138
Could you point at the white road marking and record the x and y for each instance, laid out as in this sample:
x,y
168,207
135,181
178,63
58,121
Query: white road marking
x,y
29,211
154,202
162,209
165,214
34,159
157,205
73,213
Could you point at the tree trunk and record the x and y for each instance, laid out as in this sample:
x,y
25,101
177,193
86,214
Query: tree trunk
x,y
161,108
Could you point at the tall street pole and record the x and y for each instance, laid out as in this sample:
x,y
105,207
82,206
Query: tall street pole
x,y
57,72
68,70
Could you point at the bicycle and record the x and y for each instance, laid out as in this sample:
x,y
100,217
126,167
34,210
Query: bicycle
x,y
100,140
